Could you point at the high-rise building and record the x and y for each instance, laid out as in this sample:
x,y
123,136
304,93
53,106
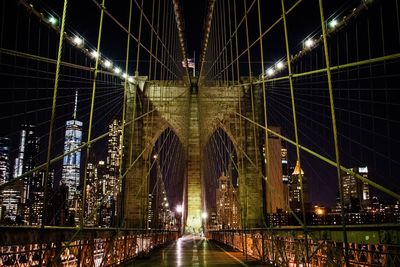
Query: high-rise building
x,y
72,161
285,174
295,188
27,159
228,209
114,152
105,200
58,210
355,192
285,167
91,198
275,189
10,199
36,201
4,160
114,157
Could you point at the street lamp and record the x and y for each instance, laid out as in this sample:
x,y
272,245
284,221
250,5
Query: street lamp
x,y
53,20
179,209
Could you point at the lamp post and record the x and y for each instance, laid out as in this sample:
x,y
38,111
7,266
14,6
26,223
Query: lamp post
x,y
204,216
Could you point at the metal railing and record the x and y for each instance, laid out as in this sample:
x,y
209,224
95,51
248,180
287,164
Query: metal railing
x,y
61,246
372,245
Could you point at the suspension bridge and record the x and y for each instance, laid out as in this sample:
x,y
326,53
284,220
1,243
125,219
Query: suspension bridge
x,y
276,145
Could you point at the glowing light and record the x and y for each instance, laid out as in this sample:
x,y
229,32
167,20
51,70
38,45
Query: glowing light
x,y
125,76
94,54
155,156
53,21
309,43
130,79
166,204
204,215
117,70
107,64
78,41
279,65
270,72
179,209
333,23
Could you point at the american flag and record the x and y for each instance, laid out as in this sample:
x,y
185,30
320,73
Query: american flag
x,y
190,63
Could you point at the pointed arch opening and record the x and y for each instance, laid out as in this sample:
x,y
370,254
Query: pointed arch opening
x,y
220,177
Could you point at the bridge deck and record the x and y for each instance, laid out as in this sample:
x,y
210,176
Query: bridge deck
x,y
196,251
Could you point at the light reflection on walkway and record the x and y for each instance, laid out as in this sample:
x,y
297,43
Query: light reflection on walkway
x,y
193,250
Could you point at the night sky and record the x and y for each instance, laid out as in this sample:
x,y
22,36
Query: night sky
x,y
367,97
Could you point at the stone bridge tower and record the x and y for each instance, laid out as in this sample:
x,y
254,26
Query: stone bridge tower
x,y
193,114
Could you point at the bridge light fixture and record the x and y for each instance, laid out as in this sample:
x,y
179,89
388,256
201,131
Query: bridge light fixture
x,y
77,40
117,70
124,75
333,23
280,65
204,215
309,43
107,64
155,156
94,54
53,20
270,72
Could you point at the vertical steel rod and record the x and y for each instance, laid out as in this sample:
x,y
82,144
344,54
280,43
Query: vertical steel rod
x,y
335,135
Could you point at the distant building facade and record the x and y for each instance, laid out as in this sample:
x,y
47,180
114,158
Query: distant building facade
x,y
4,160
297,180
276,192
227,201
356,195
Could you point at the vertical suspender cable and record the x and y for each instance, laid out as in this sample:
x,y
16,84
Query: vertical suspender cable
x,y
53,112
122,215
52,119
289,66
335,137
81,224
263,88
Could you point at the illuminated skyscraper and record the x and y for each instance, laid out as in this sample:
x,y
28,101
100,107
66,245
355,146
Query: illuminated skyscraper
x,y
9,197
113,158
4,160
27,159
285,173
228,209
355,192
285,169
91,199
36,200
72,161
108,186
295,188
